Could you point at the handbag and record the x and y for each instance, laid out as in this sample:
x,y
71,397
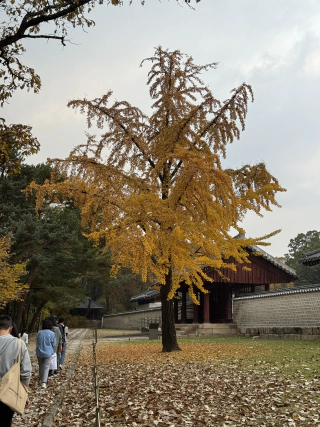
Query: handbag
x,y
13,392
53,362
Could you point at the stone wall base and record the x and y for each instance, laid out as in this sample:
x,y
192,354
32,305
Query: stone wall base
x,y
288,333
206,329
285,315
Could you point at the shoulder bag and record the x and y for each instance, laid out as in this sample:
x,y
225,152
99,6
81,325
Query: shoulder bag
x,y
13,392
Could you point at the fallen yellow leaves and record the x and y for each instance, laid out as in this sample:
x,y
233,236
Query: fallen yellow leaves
x,y
215,382
207,384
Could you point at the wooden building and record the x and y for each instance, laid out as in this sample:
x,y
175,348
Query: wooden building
x,y
217,305
147,299
89,309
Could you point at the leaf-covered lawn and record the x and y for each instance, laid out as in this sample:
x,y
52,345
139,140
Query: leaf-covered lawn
x,y
212,382
104,333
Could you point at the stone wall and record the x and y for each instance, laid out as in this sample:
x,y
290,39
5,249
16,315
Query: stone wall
x,y
131,320
291,314
205,329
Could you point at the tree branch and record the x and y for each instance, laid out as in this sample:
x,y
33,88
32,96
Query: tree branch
x,y
61,38
220,114
33,19
133,139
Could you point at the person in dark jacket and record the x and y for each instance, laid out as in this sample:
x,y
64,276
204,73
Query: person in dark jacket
x,y
64,342
14,331
9,348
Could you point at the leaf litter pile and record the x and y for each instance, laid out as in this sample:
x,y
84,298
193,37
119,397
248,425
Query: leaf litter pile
x,y
212,382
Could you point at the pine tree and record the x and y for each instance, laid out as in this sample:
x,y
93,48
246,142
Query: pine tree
x,y
297,247
154,187
51,245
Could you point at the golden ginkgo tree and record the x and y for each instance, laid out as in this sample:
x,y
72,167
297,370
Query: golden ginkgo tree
x,y
153,187
11,287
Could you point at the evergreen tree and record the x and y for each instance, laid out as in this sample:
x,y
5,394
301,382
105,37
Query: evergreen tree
x,y
298,246
51,244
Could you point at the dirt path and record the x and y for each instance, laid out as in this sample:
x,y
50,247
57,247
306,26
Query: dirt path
x,y
46,402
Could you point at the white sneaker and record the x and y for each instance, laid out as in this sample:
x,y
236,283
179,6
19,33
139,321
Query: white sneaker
x,y
44,385
61,367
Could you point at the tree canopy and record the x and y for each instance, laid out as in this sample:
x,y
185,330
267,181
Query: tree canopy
x,y
15,139
51,246
28,20
24,20
59,265
154,187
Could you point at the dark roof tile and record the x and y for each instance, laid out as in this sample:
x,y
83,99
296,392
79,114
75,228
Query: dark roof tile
x,y
93,304
311,258
150,293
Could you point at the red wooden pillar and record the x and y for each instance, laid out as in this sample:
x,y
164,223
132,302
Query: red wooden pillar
x,y
253,288
184,306
266,287
195,311
200,308
206,308
175,310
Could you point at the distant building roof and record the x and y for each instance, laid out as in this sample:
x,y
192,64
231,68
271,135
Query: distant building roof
x,y
93,305
150,293
282,291
311,258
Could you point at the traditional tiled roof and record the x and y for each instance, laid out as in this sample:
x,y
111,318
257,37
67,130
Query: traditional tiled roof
x,y
93,304
150,293
311,258
253,248
273,260
276,262
282,291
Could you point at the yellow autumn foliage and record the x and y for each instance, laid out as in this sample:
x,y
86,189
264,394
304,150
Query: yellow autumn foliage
x,y
154,187
10,274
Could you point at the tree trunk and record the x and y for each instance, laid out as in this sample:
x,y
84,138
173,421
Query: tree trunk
x,y
25,314
22,303
88,310
108,304
21,308
169,337
36,315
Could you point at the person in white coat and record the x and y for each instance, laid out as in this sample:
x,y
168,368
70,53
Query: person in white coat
x,y
24,337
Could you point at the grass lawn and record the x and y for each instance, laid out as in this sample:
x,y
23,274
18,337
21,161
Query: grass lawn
x,y
212,382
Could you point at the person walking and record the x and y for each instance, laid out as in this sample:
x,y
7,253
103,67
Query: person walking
x,y
46,355
58,347
9,353
65,331
14,330
24,336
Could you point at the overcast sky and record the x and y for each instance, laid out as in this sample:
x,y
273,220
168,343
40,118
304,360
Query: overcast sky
x,y
272,45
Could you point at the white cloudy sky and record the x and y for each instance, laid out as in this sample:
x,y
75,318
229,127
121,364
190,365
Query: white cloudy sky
x,y
272,45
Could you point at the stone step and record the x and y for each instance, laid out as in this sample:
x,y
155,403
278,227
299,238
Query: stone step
x,y
206,329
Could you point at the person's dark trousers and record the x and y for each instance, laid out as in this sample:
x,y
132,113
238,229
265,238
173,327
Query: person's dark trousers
x,y
6,415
